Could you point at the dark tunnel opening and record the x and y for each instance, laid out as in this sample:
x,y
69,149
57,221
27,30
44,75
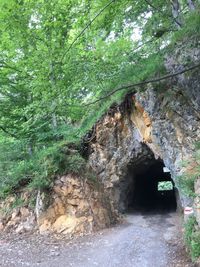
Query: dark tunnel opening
x,y
151,189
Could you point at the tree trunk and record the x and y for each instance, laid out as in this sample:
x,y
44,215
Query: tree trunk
x,y
176,12
54,121
191,4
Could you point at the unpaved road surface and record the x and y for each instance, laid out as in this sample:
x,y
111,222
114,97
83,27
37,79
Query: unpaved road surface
x,y
151,240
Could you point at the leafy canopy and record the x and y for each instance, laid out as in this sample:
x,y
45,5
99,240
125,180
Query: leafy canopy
x,y
57,56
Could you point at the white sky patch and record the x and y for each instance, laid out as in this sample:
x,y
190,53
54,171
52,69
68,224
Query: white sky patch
x,y
136,35
164,44
128,9
137,32
35,21
111,36
148,15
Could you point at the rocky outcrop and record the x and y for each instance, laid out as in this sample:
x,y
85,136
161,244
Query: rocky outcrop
x,y
75,206
162,122
16,213
160,125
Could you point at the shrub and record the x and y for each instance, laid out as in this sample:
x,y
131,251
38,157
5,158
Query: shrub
x,y
192,172
38,170
192,237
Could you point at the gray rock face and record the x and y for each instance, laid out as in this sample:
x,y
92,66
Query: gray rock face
x,y
187,54
164,123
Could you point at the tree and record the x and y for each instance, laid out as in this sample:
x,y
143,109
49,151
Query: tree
x,y
57,56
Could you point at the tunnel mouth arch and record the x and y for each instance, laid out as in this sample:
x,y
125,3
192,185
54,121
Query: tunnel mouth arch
x,y
147,186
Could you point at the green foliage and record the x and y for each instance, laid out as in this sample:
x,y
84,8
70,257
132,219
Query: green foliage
x,y
166,185
37,171
192,237
191,173
48,76
16,204
186,184
192,21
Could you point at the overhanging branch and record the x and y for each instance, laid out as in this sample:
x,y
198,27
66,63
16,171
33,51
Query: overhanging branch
x,y
154,80
7,132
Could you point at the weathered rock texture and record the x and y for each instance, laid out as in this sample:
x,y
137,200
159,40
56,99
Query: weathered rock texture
x,y
160,125
162,122
75,206
15,215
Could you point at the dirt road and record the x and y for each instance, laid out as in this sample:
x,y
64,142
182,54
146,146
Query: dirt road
x,y
152,240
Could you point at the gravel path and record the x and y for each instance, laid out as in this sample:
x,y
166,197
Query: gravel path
x,y
141,241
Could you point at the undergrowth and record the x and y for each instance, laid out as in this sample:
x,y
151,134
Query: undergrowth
x,y
190,174
186,183
53,154
192,237
39,170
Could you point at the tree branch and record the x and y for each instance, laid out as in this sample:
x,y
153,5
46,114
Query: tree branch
x,y
86,27
154,80
161,11
152,6
7,132
5,65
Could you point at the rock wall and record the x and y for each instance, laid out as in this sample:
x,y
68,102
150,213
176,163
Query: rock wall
x,y
75,206
162,121
160,125
17,215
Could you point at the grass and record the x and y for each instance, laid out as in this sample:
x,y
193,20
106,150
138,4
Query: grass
x,y
191,173
192,237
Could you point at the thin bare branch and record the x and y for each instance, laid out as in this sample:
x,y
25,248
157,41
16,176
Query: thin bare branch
x,y
154,80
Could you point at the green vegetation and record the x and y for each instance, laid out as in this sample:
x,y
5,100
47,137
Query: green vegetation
x,y
18,202
186,184
191,173
192,237
56,57
192,20
166,185
39,169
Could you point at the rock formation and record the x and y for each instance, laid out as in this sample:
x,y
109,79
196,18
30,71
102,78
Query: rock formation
x,y
75,206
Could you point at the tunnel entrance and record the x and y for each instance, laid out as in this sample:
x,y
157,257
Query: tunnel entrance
x,y
150,188
153,190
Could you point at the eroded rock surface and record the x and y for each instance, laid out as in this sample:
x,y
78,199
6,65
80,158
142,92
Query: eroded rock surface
x,y
18,217
157,126
75,206
162,122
